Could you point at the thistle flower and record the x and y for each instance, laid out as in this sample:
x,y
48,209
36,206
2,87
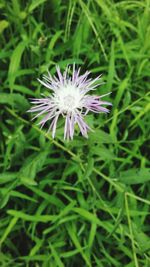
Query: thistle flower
x,y
70,99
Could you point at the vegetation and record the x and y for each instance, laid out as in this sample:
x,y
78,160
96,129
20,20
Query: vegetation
x,y
84,202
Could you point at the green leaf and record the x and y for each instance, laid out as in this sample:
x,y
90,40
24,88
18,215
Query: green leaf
x,y
58,261
35,4
32,165
92,234
89,168
111,69
50,198
88,216
16,100
76,242
17,194
8,229
32,218
102,152
27,181
6,177
135,176
100,137
3,25
15,62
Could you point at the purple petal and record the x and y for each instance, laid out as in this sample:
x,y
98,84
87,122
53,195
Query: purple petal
x,y
53,125
84,128
66,129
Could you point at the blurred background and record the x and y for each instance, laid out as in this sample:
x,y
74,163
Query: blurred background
x,y
84,202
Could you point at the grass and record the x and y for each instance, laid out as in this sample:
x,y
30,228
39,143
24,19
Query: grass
x,y
83,202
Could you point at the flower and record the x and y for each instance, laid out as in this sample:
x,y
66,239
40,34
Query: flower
x,y
70,99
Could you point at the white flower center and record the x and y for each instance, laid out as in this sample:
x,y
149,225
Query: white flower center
x,y
68,98
69,102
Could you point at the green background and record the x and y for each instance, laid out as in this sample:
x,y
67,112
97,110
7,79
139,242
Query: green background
x,y
84,202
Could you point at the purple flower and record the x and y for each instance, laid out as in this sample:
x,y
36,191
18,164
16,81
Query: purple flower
x,y
70,99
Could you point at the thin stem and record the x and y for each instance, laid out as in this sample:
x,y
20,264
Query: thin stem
x,y
131,232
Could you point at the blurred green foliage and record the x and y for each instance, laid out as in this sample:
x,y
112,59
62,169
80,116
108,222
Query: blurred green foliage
x,y
83,202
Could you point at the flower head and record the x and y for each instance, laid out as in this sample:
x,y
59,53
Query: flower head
x,y
70,99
